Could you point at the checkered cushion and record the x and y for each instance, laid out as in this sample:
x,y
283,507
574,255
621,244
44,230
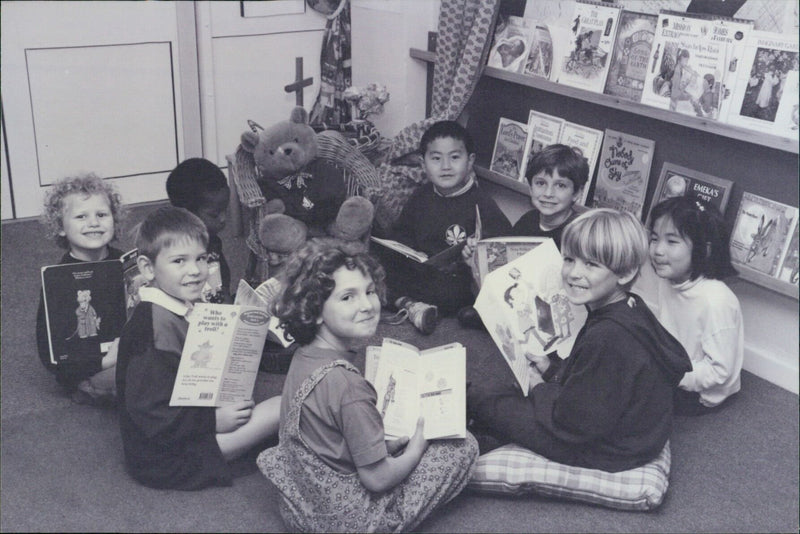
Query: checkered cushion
x,y
513,470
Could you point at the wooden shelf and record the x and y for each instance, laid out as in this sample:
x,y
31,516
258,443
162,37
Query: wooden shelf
x,y
769,282
491,176
714,127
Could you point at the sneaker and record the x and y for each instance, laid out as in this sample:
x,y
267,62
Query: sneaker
x,y
423,316
468,317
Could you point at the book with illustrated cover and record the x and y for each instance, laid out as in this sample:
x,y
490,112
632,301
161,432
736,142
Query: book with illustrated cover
x,y
587,141
86,304
623,172
512,44
765,96
735,33
588,56
526,311
762,233
686,67
790,264
540,57
631,55
411,383
221,355
508,148
264,297
678,181
543,130
495,252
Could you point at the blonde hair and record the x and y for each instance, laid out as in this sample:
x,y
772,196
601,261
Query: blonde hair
x,y
612,238
83,184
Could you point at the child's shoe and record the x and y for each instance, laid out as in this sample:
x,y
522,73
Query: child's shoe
x,y
468,317
423,316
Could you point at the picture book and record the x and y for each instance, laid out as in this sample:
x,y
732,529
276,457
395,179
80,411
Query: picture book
x,y
512,44
526,311
540,57
86,304
765,96
508,148
440,259
790,263
686,68
623,172
762,233
677,181
587,59
495,252
543,130
264,297
631,55
587,141
221,355
735,33
411,383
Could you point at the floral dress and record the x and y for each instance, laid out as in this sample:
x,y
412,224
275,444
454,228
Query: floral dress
x,y
317,498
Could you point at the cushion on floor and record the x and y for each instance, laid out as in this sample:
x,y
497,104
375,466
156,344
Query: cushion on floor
x,y
514,470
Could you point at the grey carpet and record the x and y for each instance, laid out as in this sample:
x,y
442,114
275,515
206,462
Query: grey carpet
x,y
61,464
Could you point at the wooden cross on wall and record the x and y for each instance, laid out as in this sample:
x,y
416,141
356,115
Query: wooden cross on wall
x,y
299,82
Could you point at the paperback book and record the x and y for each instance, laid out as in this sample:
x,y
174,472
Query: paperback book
x,y
678,181
762,234
263,297
397,249
526,311
509,148
594,29
411,383
221,355
86,304
495,252
540,57
512,44
790,264
631,55
686,69
624,172
587,141
543,130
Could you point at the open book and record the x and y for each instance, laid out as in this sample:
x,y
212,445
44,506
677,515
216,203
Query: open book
x,y
86,304
411,383
440,259
526,311
495,252
221,354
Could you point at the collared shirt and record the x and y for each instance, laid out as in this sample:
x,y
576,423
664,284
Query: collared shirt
x,y
463,189
158,296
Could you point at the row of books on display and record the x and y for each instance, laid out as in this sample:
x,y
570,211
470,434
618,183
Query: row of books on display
x,y
707,66
764,238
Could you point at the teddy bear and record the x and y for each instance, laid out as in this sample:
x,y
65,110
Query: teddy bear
x,y
294,181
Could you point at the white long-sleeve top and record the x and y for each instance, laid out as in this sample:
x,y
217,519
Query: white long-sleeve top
x,y
704,315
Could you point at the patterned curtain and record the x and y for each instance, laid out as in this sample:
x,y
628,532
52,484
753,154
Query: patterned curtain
x,y
330,109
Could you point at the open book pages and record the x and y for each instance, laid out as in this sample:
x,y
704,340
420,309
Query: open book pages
x,y
526,311
495,252
402,249
411,383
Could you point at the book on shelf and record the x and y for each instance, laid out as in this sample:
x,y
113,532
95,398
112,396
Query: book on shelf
x,y
735,33
588,54
762,234
411,383
508,148
512,43
221,354
526,311
766,91
86,304
495,252
623,172
686,68
264,297
587,141
398,249
789,270
543,130
631,55
540,57
678,181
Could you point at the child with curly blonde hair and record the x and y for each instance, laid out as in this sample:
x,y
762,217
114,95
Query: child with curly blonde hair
x,y
83,215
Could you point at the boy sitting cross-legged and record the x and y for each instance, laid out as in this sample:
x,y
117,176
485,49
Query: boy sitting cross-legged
x,y
185,448
608,406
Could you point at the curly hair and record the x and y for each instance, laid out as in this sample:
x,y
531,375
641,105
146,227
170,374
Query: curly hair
x,y
308,282
83,184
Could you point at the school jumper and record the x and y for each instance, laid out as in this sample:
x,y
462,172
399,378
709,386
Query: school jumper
x,y
330,424
608,406
529,225
165,446
704,315
76,367
432,223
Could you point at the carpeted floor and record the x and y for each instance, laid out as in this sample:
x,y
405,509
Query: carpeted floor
x,y
61,464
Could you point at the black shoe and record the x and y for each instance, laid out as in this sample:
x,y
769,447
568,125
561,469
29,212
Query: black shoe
x,y
468,317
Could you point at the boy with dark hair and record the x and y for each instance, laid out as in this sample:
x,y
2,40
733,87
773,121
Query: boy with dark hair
x,y
200,186
165,446
441,214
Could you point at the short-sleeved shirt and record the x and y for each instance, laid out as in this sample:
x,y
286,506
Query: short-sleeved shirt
x,y
339,420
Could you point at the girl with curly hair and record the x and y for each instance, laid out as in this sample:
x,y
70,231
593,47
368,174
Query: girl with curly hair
x,y
332,467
